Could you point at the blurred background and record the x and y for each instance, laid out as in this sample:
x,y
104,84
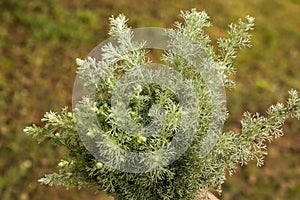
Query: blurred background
x,y
39,41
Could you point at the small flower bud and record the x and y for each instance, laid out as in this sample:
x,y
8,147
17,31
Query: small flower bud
x,y
250,19
79,61
90,133
99,165
141,139
63,163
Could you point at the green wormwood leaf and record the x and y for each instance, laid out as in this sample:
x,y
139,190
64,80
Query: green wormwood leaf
x,y
189,174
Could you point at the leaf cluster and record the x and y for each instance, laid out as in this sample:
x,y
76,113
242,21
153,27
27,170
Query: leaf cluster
x,y
153,104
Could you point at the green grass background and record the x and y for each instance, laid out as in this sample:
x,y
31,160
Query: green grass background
x,y
39,41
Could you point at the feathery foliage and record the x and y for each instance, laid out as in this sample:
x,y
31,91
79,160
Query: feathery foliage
x,y
152,104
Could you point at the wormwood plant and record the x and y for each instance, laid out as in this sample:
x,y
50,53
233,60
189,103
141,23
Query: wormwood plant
x,y
163,129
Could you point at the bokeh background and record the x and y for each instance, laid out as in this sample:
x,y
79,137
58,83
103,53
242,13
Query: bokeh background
x,y
39,41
